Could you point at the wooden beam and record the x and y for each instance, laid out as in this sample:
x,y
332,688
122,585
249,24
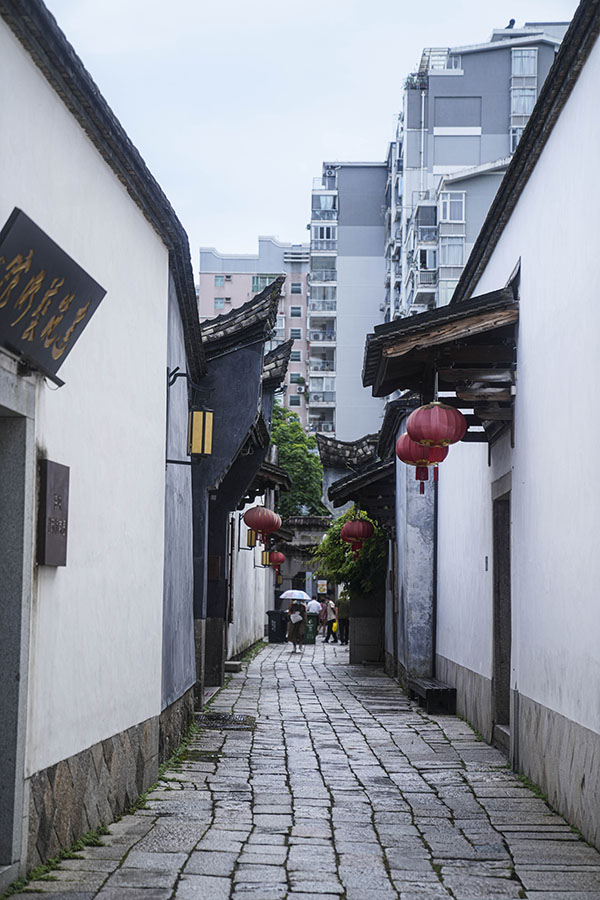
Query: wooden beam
x,y
475,437
477,323
484,394
504,376
493,413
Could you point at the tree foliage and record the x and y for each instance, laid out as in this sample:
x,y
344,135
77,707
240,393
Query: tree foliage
x,y
333,558
303,466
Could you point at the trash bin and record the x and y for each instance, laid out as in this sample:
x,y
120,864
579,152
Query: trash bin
x,y
278,621
312,624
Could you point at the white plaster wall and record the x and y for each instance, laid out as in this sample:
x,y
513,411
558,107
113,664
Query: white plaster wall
x,y
555,481
252,591
464,614
96,625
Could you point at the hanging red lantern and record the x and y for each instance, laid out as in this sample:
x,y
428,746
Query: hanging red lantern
x,y
356,532
413,454
276,559
436,425
262,520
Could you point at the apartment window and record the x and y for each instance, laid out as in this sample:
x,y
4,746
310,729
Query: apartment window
x,y
219,302
322,384
296,333
324,201
296,356
324,233
515,137
280,322
296,312
260,282
452,251
524,61
452,206
295,378
322,292
219,281
294,400
446,291
522,101
296,287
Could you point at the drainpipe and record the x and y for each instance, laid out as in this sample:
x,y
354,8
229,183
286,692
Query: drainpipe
x,y
434,597
422,184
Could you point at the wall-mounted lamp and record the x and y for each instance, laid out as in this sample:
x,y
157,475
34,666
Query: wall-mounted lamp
x,y
200,432
265,557
251,538
200,422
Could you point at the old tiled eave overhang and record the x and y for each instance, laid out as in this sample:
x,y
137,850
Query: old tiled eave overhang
x,y
562,78
275,365
38,32
373,488
347,454
471,347
248,324
395,412
268,476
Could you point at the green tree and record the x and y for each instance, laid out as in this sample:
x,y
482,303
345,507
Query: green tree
x,y
298,457
333,558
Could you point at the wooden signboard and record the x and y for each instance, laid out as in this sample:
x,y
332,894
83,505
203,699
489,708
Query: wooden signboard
x,y
46,298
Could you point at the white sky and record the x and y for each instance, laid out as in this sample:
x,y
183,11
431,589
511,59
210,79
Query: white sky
x,y
234,104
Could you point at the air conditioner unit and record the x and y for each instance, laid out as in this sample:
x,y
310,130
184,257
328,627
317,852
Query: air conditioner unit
x,y
330,171
228,278
300,389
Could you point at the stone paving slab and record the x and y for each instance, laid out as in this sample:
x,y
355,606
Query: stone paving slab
x,y
344,790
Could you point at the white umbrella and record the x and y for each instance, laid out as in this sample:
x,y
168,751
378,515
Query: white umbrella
x,y
295,595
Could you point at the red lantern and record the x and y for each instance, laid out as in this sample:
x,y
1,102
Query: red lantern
x,y
356,532
262,520
436,425
276,559
413,454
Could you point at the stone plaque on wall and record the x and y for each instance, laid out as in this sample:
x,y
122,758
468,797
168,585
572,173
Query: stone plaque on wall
x,y
53,514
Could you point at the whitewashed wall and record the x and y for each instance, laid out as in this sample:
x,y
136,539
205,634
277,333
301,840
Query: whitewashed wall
x,y
555,483
96,627
252,591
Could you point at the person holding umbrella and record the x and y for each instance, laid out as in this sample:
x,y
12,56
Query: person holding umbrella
x,y
297,615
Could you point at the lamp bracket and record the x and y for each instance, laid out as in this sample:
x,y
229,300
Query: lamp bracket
x,y
173,375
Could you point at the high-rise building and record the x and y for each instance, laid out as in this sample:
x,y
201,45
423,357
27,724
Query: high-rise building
x,y
347,267
464,111
227,281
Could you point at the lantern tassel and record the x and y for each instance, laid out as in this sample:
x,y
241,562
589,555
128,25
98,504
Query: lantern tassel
x,y
435,473
422,488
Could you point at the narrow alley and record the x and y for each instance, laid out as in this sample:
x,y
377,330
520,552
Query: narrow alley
x,y
321,780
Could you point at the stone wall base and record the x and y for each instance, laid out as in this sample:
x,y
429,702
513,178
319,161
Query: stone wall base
x,y
473,694
174,722
389,665
199,647
563,758
90,789
95,786
366,640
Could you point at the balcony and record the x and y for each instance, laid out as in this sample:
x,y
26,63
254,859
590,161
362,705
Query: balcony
x,y
323,244
320,215
321,425
426,279
323,275
317,306
427,234
321,398
321,365
322,336
397,273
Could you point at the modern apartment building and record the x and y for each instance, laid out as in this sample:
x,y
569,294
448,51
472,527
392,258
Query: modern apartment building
x,y
464,111
347,266
227,281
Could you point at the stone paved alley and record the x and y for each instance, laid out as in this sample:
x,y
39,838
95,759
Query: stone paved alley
x,y
344,789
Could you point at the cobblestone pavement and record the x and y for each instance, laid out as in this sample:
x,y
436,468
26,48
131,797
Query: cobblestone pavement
x,y
344,789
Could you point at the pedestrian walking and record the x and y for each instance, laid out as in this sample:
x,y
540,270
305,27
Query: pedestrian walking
x,y
323,618
297,625
331,619
313,606
343,612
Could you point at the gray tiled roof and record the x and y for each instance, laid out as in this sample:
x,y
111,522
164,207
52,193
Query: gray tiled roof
x,y
252,322
275,364
347,454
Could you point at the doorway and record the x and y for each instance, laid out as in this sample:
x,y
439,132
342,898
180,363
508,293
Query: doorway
x,y
16,492
502,623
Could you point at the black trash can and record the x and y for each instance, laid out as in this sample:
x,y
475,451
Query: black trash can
x,y
278,622
312,625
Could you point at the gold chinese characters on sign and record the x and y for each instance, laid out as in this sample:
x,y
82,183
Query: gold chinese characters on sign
x,y
46,298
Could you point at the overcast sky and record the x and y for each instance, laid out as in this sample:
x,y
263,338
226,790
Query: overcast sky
x,y
234,104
